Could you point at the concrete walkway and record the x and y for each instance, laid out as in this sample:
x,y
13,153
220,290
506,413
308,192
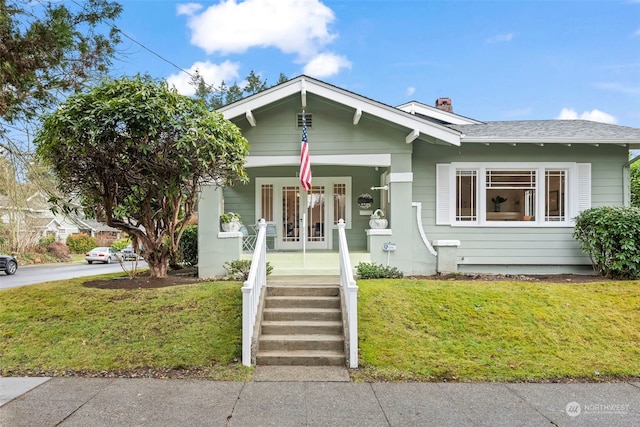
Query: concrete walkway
x,y
310,401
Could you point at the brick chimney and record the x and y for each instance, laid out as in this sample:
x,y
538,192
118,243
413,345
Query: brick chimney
x,y
444,104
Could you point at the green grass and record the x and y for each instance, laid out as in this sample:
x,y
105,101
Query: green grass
x,y
63,326
410,330
498,331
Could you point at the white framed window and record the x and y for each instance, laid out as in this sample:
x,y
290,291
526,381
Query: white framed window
x,y
511,194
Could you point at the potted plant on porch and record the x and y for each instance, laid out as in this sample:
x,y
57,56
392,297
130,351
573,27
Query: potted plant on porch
x,y
377,219
230,221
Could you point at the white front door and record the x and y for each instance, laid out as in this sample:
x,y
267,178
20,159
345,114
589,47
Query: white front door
x,y
302,219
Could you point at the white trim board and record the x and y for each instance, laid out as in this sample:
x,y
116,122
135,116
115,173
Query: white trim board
x,y
382,160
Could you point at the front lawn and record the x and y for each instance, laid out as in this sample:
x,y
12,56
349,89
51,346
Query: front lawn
x,y
419,330
498,331
54,328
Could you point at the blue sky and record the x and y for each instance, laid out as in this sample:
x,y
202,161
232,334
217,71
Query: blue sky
x,y
497,60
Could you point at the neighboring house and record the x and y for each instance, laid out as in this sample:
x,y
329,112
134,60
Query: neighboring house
x,y
31,220
459,194
104,234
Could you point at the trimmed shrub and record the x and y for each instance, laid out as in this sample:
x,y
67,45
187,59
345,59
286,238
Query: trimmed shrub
x,y
119,245
188,246
46,241
635,184
610,235
239,269
60,251
81,243
366,270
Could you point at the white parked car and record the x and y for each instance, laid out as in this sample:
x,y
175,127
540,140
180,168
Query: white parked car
x,y
101,254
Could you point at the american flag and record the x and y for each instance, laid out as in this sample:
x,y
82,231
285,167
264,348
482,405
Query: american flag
x,y
305,161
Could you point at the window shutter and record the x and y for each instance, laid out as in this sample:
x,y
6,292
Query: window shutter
x,y
584,186
443,184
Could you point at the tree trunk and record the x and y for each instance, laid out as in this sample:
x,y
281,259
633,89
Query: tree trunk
x,y
157,265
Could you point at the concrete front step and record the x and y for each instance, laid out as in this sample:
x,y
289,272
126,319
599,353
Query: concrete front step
x,y
302,290
302,301
297,327
302,324
306,314
301,358
302,342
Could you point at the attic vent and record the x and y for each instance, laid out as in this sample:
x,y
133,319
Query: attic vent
x,y
308,118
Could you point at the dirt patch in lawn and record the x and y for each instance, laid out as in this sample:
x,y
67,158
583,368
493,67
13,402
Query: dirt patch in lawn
x,y
186,276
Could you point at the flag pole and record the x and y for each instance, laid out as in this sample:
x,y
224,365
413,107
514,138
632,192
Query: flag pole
x,y
304,240
305,182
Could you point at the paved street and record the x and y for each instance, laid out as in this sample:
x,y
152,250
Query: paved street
x,y
33,274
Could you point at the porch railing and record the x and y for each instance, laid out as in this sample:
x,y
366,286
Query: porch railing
x,y
350,292
252,290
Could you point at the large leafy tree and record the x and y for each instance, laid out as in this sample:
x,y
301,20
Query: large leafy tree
x,y
48,48
136,152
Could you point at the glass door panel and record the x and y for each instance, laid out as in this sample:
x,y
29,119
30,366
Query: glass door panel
x,y
290,227
316,218
303,218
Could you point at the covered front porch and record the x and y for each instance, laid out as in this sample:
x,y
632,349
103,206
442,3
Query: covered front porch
x,y
313,263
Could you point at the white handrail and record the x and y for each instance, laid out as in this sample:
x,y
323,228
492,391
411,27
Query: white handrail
x,y
252,290
350,291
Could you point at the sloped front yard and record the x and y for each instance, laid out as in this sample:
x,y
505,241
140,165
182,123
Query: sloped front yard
x,y
498,330
410,330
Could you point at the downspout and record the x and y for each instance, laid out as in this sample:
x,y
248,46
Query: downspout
x,y
626,176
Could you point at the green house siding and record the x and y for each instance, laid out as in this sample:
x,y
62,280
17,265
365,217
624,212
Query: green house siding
x,y
360,142
331,132
544,247
241,198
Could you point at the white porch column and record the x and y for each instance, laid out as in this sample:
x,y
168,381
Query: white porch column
x,y
401,213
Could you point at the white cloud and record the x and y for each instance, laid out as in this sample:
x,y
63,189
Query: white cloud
x,y
410,91
500,38
593,115
619,87
188,8
325,65
213,74
292,26
637,33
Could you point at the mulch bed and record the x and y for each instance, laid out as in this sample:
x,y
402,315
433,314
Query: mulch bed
x,y
185,276
189,276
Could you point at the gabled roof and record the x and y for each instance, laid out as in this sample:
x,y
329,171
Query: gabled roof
x,y
43,222
550,131
93,225
361,105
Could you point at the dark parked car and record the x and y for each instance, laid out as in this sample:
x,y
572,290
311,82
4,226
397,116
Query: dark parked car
x,y
128,254
8,264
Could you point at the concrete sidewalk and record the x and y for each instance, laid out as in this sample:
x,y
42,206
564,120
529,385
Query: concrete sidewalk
x,y
145,402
